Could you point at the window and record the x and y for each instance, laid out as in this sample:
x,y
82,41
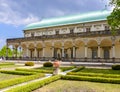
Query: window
x,y
88,29
106,28
32,34
57,32
71,30
94,53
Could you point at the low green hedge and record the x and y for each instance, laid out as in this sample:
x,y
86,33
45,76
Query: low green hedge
x,y
79,68
92,79
48,64
6,63
94,74
17,72
116,67
34,70
29,63
34,85
10,82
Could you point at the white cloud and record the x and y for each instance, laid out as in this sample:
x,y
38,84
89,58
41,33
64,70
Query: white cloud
x,y
8,15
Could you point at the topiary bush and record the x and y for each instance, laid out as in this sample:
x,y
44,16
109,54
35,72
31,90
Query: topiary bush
x,y
116,67
48,64
29,63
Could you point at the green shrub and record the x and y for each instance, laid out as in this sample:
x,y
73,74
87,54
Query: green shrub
x,y
34,70
79,68
34,85
95,74
29,63
48,64
116,67
10,82
91,79
16,72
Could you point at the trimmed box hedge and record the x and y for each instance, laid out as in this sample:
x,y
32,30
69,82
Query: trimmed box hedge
x,y
34,70
94,74
92,79
48,64
15,81
29,63
116,67
17,72
34,85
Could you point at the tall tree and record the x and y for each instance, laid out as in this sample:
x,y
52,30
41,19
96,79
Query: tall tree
x,y
3,52
114,18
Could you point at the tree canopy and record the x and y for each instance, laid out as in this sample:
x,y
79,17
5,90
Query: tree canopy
x,y
114,18
3,52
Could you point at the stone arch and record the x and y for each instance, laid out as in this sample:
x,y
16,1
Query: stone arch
x,y
92,49
106,51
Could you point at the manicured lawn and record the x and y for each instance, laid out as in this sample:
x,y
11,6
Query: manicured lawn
x,y
78,86
103,71
8,76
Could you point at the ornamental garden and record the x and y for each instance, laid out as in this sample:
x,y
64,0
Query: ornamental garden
x,y
53,77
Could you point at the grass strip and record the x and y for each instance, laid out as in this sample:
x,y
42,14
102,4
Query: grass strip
x,y
6,63
34,70
79,69
94,74
92,79
34,85
15,81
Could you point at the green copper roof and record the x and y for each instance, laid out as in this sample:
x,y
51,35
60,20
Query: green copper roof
x,y
73,19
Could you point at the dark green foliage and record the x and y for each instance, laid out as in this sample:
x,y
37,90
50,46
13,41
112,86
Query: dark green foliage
x,y
15,81
79,69
29,63
116,67
16,72
48,64
35,85
92,79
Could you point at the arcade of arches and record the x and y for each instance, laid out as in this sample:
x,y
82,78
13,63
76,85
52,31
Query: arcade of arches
x,y
95,47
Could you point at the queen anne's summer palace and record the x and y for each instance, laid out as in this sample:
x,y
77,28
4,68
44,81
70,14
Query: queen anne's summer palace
x,y
80,37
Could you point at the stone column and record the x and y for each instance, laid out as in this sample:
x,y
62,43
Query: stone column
x,y
98,51
73,51
53,49
43,51
62,50
35,53
27,51
86,51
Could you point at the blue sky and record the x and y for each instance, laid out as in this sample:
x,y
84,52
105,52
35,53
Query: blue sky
x,y
16,14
